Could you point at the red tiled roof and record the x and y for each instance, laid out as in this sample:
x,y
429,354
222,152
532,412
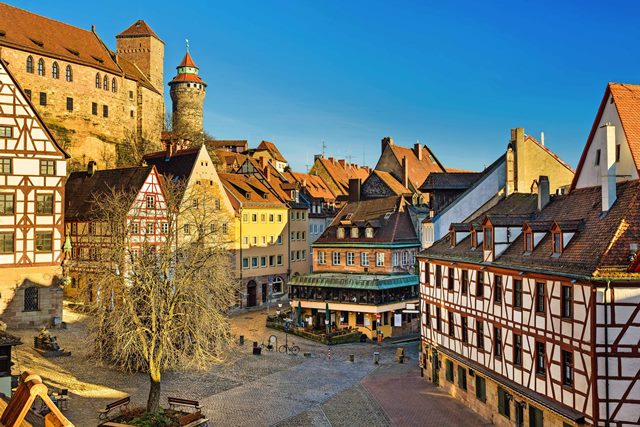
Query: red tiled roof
x,y
315,186
626,98
193,78
273,150
418,169
394,185
247,190
341,172
132,71
138,29
188,61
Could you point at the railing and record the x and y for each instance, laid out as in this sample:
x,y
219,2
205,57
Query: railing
x,y
340,336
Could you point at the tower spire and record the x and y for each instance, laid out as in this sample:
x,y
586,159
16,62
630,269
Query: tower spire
x,y
186,41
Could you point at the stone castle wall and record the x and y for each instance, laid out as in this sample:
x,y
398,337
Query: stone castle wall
x,y
85,135
187,109
147,53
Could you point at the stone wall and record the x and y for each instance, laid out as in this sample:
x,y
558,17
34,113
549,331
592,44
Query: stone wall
x,y
147,53
83,134
187,104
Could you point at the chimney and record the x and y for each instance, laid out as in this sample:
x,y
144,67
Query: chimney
x,y
342,163
318,156
91,168
609,167
542,138
417,148
354,190
510,170
262,161
387,140
405,172
332,160
543,192
267,173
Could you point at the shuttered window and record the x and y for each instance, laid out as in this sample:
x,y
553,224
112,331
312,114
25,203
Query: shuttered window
x,y
504,408
481,389
449,370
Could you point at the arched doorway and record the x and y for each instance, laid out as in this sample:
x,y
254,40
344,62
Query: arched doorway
x,y
277,285
251,294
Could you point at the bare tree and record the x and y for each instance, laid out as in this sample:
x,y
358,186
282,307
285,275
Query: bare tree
x,y
160,301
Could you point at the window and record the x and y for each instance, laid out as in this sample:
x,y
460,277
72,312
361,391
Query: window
x,y
557,243
254,240
528,242
540,297
68,74
44,204
279,258
30,64
105,111
254,217
304,236
105,83
359,318
254,262
47,167
481,389
94,108
44,241
5,166
279,240
617,153
298,215
497,289
504,408
151,228
293,235
7,204
303,215
114,85
263,218
6,132
452,325
55,71
279,217
480,284
597,160
567,368
130,94
270,215
364,259
517,349
164,228
438,319
263,261
536,417
350,258
464,281
567,302
488,239
245,240
304,255
245,263
40,67
368,232
336,258
517,293
293,216
43,98
151,202
69,104
380,259
340,233
480,334
540,362
354,232
438,275
31,299
6,243
135,228
264,240
98,80
450,276
225,228
396,257
449,370
27,92
497,341
465,331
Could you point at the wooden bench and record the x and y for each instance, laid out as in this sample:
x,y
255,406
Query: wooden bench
x,y
185,420
177,401
121,404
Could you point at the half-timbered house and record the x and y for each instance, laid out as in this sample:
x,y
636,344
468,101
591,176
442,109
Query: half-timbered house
x,y
530,311
32,171
86,229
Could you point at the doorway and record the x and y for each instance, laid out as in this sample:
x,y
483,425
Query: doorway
x,y
251,294
264,292
435,371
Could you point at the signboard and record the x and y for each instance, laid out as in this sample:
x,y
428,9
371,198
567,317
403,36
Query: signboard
x,y
410,306
397,319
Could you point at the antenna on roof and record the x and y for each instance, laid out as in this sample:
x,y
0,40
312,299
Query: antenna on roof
x,y
324,148
186,41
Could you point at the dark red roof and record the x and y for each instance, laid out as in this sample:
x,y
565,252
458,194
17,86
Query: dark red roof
x,y
188,61
192,78
138,29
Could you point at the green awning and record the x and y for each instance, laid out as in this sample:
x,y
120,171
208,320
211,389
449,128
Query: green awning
x,y
355,281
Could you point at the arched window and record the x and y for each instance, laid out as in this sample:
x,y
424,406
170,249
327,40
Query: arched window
x,y
69,74
30,64
105,83
41,67
55,71
97,80
114,85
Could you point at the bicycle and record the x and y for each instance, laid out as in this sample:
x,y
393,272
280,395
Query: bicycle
x,y
294,349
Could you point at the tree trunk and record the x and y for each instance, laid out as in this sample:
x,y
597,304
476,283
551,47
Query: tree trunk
x,y
153,402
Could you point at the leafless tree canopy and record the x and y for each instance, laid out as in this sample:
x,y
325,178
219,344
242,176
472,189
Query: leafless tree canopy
x,y
162,305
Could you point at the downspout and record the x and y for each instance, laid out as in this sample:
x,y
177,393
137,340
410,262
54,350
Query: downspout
x,y
240,259
606,350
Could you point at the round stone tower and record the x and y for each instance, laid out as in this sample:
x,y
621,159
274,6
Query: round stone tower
x,y
187,96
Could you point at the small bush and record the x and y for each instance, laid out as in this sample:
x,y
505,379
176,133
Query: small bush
x,y
156,419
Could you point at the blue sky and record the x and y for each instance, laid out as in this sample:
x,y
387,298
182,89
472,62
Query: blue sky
x,y
456,76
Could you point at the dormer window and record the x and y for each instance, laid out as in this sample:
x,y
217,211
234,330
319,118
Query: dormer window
x,y
452,238
556,238
488,238
355,232
340,232
528,242
368,232
474,239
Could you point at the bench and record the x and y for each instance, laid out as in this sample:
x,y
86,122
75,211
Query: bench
x,y
118,404
185,420
177,401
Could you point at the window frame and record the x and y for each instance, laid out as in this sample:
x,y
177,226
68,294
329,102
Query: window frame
x,y
4,203
40,235
31,299
566,302
47,167
68,73
46,206
4,242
